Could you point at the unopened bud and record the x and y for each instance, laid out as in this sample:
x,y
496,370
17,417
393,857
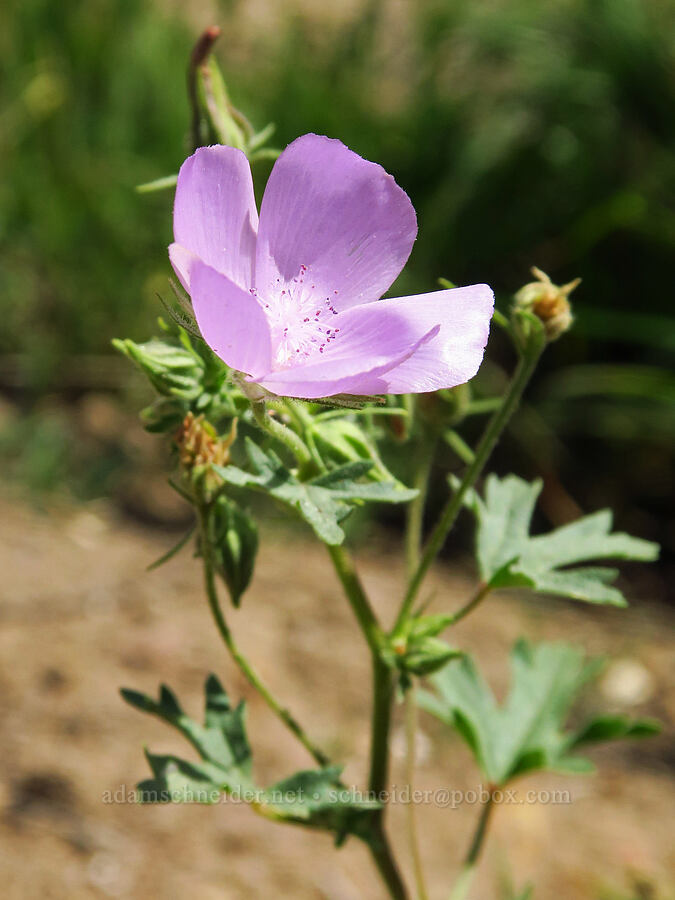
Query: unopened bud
x,y
234,540
549,302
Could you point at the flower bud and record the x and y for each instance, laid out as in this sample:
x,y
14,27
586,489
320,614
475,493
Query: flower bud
x,y
234,538
549,302
427,655
173,371
215,120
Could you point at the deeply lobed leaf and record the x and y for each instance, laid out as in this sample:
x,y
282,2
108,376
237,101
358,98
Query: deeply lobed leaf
x,y
526,732
508,556
314,798
322,502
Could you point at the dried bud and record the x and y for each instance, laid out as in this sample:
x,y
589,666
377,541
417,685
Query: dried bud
x,y
548,302
199,445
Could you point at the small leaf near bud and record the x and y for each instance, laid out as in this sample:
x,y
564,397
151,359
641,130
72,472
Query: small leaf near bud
x,y
549,302
428,655
417,650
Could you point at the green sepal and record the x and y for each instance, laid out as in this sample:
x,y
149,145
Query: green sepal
x,y
187,376
174,371
528,332
417,650
427,655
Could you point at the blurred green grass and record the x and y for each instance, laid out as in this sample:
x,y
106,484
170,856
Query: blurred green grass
x,y
525,133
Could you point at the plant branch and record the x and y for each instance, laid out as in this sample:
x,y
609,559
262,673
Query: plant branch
x,y
526,366
465,878
358,600
242,662
413,836
481,593
415,509
383,690
283,434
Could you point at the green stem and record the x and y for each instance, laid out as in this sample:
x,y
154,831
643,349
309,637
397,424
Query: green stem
x,y
476,600
459,446
283,434
481,831
385,863
465,878
383,691
244,665
304,422
415,509
413,836
526,366
358,600
383,695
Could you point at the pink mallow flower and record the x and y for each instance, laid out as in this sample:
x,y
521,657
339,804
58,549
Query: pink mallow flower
x,y
292,299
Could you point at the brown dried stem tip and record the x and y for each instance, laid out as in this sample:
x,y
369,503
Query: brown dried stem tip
x,y
200,54
199,445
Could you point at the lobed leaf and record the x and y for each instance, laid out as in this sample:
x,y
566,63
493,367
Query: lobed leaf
x,y
526,733
314,798
322,502
508,556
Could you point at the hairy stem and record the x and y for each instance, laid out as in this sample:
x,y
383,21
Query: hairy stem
x,y
465,878
413,836
383,694
358,600
385,863
383,691
526,366
242,662
283,434
415,509
481,593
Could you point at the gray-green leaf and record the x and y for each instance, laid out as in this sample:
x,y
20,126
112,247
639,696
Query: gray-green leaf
x,y
527,731
315,798
323,502
508,556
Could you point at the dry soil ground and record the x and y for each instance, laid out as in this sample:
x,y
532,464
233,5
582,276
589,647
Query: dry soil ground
x,y
79,617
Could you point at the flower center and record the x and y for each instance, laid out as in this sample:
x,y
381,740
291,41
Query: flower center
x,y
302,322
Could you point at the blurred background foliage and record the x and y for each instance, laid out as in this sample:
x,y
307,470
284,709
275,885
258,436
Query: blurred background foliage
x,y
525,133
